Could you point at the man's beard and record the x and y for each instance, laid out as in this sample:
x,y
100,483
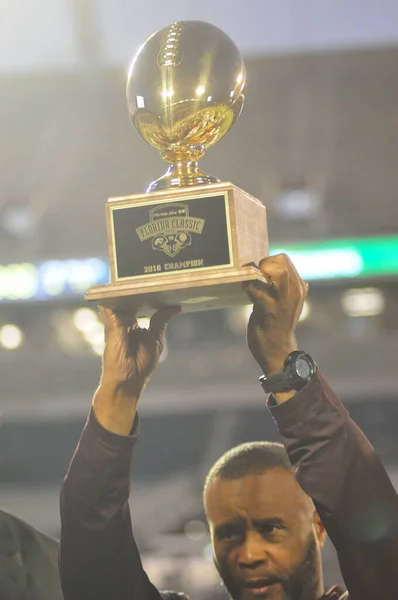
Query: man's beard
x,y
301,584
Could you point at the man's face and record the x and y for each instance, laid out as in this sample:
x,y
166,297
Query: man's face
x,y
266,540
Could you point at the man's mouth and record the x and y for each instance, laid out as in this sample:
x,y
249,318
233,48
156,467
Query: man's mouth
x,y
259,587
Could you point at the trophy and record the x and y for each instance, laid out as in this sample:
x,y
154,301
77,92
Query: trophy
x,y
189,240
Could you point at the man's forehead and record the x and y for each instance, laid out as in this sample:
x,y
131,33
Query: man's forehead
x,y
272,491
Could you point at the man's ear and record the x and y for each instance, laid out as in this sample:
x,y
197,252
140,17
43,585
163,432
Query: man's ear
x,y
319,529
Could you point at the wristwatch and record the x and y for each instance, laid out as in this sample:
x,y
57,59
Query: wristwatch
x,y
299,368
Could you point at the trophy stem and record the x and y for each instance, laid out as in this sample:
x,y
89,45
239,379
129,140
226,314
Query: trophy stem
x,y
183,171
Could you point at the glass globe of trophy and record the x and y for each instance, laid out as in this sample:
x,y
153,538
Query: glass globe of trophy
x,y
188,240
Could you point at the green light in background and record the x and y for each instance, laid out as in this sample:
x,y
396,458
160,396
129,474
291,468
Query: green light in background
x,y
345,258
327,260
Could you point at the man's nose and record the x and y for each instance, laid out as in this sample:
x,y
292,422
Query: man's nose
x,y
252,552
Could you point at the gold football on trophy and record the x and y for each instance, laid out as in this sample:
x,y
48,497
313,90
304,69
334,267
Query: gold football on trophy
x,y
185,89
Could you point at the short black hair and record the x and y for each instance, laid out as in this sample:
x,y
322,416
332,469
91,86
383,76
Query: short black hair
x,y
249,458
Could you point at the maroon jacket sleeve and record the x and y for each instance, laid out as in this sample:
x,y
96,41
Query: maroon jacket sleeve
x,y
99,559
337,466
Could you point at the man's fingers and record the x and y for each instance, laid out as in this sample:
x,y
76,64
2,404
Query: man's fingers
x,y
117,317
282,282
160,319
278,269
107,316
251,264
258,291
114,320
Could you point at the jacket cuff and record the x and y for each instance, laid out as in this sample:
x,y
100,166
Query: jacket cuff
x,y
110,439
309,410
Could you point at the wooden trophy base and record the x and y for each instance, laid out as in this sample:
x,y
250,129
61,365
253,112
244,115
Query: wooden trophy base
x,y
187,247
220,289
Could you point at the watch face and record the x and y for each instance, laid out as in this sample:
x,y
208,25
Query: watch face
x,y
303,368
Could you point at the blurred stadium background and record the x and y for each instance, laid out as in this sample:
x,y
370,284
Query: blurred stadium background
x,y
317,142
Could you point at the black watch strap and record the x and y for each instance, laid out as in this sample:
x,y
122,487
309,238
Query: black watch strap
x,y
275,383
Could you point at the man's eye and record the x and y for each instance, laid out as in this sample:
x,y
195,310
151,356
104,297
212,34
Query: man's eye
x,y
269,529
227,535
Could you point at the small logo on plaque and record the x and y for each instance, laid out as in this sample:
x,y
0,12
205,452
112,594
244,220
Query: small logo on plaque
x,y
170,227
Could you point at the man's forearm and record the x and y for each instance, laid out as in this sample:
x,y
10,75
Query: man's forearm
x,y
115,407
